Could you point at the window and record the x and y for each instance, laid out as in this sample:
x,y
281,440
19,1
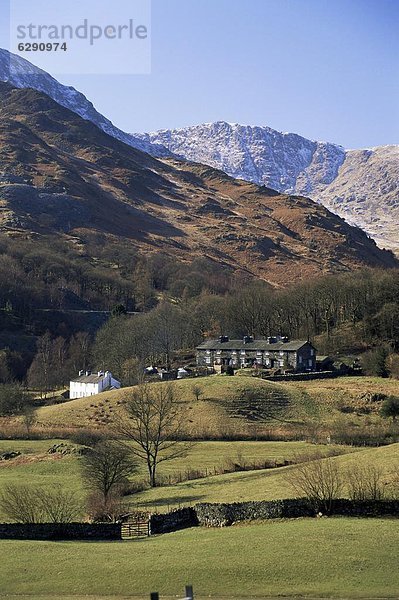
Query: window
x,y
281,362
310,362
208,360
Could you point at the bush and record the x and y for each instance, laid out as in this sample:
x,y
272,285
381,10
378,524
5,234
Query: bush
x,y
26,504
393,365
365,483
390,407
318,480
86,437
104,510
13,399
374,362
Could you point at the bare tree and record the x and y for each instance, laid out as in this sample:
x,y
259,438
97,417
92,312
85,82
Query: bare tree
x,y
106,467
40,371
154,422
19,503
58,505
318,480
365,482
27,504
197,391
29,417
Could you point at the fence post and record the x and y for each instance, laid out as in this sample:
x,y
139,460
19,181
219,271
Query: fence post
x,y
189,592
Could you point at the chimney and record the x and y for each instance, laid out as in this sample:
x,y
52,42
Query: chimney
x,y
81,373
100,373
88,373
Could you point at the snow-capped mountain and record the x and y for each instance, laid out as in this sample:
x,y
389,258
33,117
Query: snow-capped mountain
x,y
22,74
282,161
360,185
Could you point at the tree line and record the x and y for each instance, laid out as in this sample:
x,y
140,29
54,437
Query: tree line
x,y
356,313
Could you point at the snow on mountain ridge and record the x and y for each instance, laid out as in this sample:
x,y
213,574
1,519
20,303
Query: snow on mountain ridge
x,y
359,185
22,74
258,153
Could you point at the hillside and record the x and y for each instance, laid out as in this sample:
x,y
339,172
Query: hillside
x,y
62,176
271,484
346,409
359,185
222,410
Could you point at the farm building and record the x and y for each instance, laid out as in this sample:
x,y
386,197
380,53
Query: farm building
x,y
90,384
272,353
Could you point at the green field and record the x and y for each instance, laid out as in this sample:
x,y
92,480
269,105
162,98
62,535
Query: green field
x,y
343,558
37,468
259,485
339,558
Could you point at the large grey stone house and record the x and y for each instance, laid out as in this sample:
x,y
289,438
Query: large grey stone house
x,y
272,353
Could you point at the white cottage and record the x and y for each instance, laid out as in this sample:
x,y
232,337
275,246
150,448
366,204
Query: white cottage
x,y
90,384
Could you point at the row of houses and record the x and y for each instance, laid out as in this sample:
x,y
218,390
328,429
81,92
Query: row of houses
x,y
273,353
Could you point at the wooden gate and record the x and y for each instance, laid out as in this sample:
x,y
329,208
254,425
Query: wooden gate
x,y
136,528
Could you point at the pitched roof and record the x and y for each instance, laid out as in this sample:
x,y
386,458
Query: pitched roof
x,y
88,379
291,346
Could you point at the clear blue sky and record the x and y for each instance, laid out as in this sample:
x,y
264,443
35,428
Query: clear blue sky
x,y
326,69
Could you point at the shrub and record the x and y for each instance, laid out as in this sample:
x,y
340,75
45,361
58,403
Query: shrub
x,y
393,365
86,437
390,407
26,504
13,399
374,362
103,510
365,483
318,480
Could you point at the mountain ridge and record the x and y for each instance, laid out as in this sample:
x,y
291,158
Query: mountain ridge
x,y
289,163
366,195
63,176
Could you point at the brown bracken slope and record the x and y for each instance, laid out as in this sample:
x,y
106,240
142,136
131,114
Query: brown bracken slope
x,y
61,176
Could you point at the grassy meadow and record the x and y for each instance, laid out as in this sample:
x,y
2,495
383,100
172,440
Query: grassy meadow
x,y
260,485
318,558
38,468
339,558
345,409
318,405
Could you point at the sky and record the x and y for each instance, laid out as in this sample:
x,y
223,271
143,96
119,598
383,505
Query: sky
x,y
326,69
